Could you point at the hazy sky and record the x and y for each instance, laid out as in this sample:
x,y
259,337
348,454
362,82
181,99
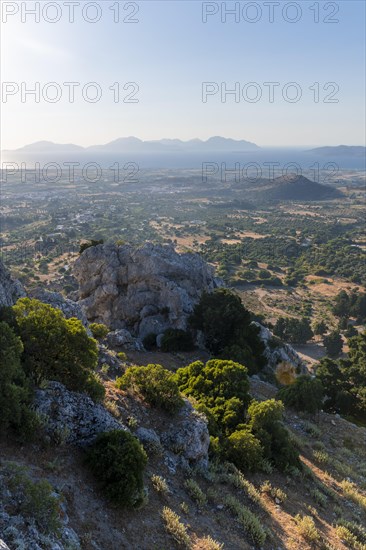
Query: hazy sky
x,y
169,53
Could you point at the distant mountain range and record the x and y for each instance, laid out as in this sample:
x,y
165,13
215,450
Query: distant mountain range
x,y
136,145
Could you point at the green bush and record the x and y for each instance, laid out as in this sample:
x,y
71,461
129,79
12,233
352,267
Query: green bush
x,y
176,340
221,387
156,384
149,341
265,421
244,450
56,348
118,460
99,331
305,394
14,392
36,500
225,323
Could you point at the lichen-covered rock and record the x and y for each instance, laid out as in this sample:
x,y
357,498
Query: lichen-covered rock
x,y
149,439
142,289
72,417
10,290
188,436
56,300
122,338
282,354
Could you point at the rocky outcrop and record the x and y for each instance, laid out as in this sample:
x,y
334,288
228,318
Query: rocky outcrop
x,y
282,354
141,289
10,290
68,307
188,436
122,338
72,417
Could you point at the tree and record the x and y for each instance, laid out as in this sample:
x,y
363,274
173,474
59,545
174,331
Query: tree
x,y
14,394
305,394
293,330
320,328
56,348
225,322
333,344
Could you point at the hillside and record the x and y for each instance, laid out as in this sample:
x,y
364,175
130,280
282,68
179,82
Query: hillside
x,y
299,188
192,497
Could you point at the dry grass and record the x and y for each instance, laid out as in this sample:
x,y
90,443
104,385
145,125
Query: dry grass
x,y
306,528
160,485
175,527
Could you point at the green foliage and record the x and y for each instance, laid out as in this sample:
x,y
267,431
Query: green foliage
x,y
345,380
89,244
305,394
350,305
177,340
149,341
99,331
333,343
244,450
220,386
117,460
56,348
156,384
290,329
320,328
265,421
220,389
225,323
36,500
14,394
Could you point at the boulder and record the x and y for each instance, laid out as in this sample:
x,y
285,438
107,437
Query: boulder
x,y
149,439
143,289
68,307
122,338
282,354
188,436
10,290
72,417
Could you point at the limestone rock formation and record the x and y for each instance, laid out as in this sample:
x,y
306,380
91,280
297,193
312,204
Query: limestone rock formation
x,y
10,290
188,436
143,289
71,416
283,355
68,307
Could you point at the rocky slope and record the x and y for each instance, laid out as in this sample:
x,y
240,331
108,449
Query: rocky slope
x,y
10,290
144,290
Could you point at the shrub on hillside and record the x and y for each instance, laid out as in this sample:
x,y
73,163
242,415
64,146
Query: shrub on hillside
x,y
14,393
117,459
305,394
175,339
149,341
225,323
244,450
99,331
156,384
333,343
221,386
265,421
56,348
